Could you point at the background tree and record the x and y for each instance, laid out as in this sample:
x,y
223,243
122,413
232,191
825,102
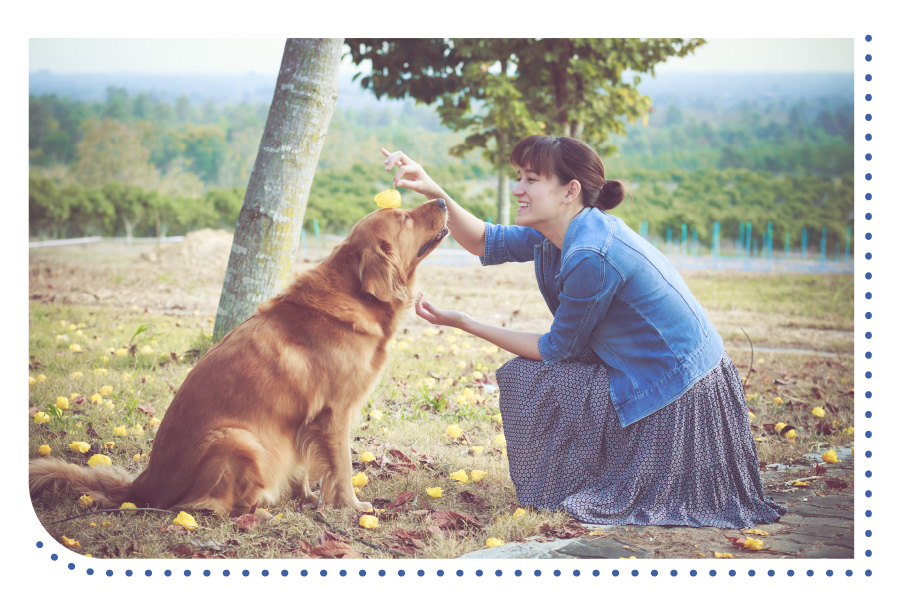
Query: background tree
x,y
500,90
267,234
111,152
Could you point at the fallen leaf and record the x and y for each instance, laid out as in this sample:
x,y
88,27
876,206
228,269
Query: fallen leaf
x,y
246,522
334,549
448,519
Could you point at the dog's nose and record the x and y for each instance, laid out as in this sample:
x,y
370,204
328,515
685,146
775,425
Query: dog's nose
x,y
442,204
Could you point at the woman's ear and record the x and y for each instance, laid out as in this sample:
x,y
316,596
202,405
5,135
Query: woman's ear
x,y
380,274
572,191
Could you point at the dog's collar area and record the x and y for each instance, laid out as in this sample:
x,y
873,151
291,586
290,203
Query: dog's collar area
x,y
441,235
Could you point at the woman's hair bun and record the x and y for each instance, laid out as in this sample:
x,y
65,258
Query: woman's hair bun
x,y
611,195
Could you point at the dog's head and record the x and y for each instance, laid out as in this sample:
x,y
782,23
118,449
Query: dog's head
x,y
391,244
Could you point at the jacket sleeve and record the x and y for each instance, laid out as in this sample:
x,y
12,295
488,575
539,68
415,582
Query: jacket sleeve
x,y
588,286
509,243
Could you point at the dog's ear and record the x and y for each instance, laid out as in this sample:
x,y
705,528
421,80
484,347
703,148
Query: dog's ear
x,y
380,273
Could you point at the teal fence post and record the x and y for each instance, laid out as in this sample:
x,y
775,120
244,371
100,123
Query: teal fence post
x,y
489,220
695,246
787,244
804,242
645,230
669,239
748,247
717,238
316,232
303,244
769,237
684,239
823,243
741,235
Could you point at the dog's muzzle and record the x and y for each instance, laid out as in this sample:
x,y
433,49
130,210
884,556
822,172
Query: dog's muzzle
x,y
432,242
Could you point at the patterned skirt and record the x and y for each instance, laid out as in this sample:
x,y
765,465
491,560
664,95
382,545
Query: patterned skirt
x,y
693,462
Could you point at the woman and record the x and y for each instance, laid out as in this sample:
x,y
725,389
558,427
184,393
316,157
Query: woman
x,y
628,411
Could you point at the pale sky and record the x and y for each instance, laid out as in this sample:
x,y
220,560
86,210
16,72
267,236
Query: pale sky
x,y
263,55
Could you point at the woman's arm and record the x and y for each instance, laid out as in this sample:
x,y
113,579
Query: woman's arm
x,y
466,229
517,342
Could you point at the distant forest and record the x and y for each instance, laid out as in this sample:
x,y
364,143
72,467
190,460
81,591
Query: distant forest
x,y
135,164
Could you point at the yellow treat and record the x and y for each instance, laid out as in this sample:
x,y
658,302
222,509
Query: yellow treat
x,y
388,199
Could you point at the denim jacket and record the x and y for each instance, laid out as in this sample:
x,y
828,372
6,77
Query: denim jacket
x,y
612,291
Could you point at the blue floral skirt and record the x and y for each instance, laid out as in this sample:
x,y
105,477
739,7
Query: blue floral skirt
x,y
693,462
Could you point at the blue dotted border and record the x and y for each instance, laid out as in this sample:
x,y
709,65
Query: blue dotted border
x,y
537,573
187,573
868,315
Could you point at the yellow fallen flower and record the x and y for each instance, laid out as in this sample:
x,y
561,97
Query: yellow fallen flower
x,y
128,505
376,415
359,480
500,440
99,460
40,417
71,543
498,418
756,532
100,371
366,457
779,426
75,348
185,520
460,475
778,400
453,431
434,492
77,375
96,399
62,402
137,430
120,431
477,475
44,450
137,457
790,435
492,542
818,412
478,448
520,512
121,352
830,456
108,445
41,378
79,446
753,544
719,555
800,484
85,501
106,390
368,521
154,421
31,381
147,350
388,199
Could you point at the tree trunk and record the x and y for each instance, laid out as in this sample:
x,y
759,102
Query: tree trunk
x,y
502,181
267,233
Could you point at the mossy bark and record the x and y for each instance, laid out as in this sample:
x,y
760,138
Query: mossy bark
x,y
267,233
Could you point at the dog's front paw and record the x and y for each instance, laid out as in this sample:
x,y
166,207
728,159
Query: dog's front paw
x,y
363,507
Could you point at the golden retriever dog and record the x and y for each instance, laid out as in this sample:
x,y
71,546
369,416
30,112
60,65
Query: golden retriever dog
x,y
272,406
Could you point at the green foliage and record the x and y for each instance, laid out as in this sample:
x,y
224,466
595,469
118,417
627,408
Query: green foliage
x,y
158,168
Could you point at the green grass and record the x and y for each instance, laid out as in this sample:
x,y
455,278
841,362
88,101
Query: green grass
x,y
434,379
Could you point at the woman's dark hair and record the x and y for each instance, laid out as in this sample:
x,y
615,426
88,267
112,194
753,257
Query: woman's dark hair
x,y
569,159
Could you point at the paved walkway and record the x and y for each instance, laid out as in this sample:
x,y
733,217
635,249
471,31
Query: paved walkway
x,y
818,524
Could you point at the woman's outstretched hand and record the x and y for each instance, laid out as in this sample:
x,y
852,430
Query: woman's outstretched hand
x,y
441,317
411,175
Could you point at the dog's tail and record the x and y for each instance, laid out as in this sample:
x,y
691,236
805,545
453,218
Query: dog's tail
x,y
109,486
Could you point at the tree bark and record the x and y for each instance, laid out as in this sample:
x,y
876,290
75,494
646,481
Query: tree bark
x,y
502,181
267,233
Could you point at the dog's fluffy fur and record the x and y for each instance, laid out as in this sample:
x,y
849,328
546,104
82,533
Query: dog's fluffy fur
x,y
271,407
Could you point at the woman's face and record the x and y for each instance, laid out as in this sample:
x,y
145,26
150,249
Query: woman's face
x,y
539,198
